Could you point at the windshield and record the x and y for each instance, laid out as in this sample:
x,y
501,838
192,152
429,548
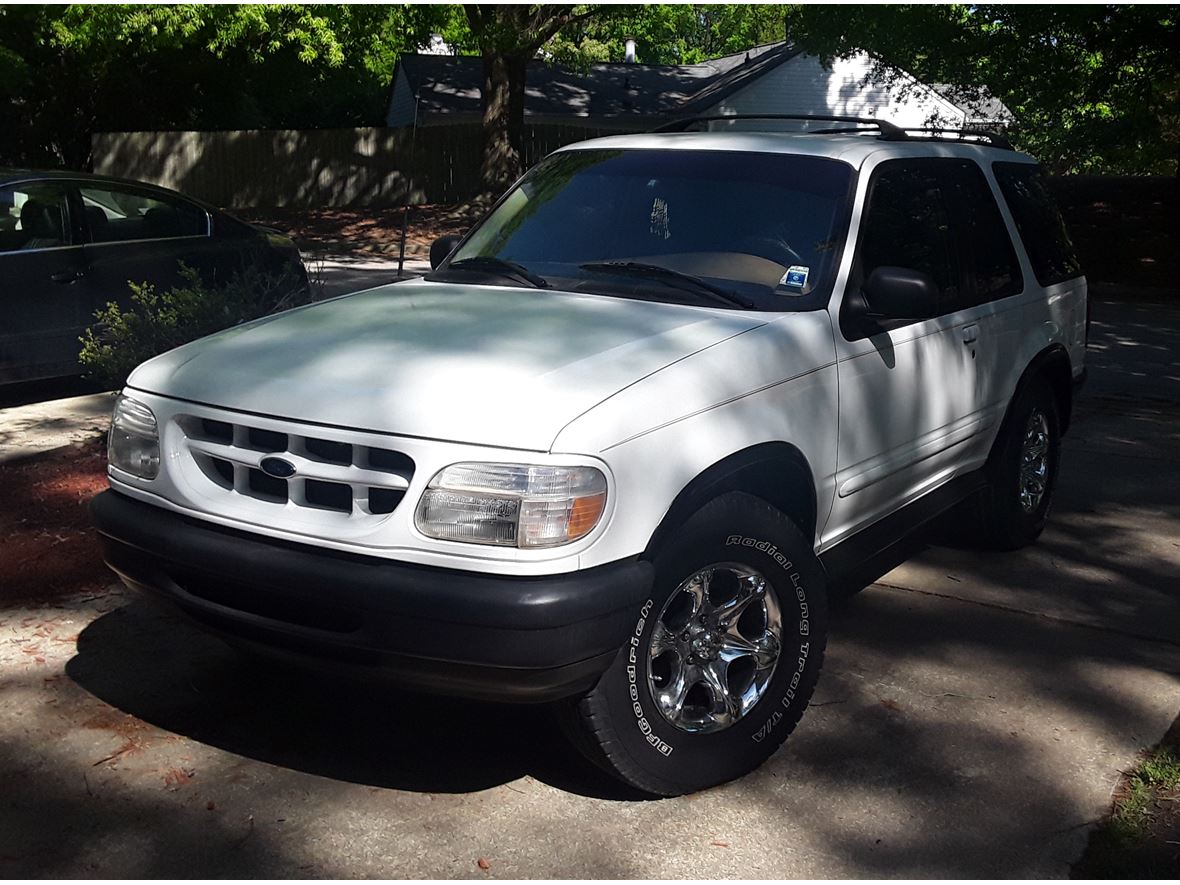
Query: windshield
x,y
672,225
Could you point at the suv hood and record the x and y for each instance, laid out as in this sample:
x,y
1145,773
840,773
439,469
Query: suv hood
x,y
480,364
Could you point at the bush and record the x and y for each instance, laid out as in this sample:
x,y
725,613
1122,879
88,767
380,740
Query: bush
x,y
157,322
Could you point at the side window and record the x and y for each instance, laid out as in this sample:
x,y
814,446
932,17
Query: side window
x,y
994,271
115,215
1041,227
34,216
908,224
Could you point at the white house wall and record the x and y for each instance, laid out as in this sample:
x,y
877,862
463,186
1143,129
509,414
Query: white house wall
x,y
802,85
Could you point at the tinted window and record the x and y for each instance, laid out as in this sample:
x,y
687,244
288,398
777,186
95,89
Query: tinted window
x,y
739,220
1041,227
34,216
115,215
908,224
994,269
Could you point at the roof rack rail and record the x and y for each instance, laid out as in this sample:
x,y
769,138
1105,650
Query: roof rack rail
x,y
886,128
886,131
993,139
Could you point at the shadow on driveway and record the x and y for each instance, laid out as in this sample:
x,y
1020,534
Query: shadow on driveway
x,y
150,663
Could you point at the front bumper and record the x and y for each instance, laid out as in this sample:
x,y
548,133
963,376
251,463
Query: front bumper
x,y
483,636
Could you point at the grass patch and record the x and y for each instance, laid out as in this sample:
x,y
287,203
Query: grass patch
x,y
1141,836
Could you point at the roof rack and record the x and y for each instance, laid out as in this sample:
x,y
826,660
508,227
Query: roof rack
x,y
886,131
886,128
991,139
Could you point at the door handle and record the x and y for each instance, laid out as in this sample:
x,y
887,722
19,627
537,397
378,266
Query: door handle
x,y
66,276
970,334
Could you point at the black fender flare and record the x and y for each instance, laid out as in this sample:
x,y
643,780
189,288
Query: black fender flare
x,y
1052,364
776,472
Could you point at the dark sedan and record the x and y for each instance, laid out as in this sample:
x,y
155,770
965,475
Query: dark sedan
x,y
70,242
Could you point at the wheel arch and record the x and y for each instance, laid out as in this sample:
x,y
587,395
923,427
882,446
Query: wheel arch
x,y
1053,364
776,472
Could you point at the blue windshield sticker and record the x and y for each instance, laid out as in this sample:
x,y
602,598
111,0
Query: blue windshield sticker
x,y
796,276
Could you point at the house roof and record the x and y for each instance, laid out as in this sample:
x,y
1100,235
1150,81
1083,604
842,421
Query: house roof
x,y
451,84
979,104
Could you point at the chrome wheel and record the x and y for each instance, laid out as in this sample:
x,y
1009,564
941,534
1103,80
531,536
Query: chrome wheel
x,y
714,648
1034,461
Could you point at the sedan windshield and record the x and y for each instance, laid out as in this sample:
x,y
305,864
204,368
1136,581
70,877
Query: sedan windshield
x,y
728,229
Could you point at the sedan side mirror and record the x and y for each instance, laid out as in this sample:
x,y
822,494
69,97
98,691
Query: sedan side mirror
x,y
900,293
441,248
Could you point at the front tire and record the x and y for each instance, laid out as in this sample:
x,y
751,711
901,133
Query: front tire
x,y
723,657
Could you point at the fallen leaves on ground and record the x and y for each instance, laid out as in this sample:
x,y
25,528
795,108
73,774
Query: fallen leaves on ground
x,y
47,546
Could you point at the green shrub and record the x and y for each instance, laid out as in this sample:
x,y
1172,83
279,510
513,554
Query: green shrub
x,y
155,322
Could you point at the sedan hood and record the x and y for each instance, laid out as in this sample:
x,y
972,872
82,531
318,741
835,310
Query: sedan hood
x,y
480,364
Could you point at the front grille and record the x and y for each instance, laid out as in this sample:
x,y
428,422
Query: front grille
x,y
328,474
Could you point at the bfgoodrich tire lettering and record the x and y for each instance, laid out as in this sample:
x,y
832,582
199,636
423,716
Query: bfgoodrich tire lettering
x,y
621,723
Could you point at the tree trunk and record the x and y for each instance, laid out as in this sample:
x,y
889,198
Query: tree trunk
x,y
503,121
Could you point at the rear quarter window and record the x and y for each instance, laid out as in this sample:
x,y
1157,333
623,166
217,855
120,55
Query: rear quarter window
x,y
1039,222
115,214
994,269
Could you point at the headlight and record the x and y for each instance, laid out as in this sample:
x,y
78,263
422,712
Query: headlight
x,y
134,443
512,505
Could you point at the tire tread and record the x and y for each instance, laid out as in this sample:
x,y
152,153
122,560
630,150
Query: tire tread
x,y
586,720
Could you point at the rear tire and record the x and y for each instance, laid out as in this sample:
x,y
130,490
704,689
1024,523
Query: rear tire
x,y
1022,473
723,657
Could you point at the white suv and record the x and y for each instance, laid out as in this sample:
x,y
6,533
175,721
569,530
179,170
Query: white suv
x,y
615,449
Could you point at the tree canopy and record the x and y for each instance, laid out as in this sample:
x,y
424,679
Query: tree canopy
x,y
1094,88
66,71
509,37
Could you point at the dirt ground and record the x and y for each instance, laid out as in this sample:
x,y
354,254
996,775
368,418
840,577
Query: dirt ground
x,y
48,548
360,232
1141,838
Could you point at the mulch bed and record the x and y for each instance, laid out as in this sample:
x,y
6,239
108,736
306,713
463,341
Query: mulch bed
x,y
374,232
47,546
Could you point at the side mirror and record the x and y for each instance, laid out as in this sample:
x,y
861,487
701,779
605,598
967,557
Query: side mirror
x,y
441,248
900,293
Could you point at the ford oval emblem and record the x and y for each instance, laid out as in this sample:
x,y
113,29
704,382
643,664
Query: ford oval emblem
x,y
279,468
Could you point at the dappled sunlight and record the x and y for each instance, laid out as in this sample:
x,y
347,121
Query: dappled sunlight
x,y
970,723
512,366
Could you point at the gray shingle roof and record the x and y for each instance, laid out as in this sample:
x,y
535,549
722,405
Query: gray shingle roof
x,y
979,104
448,84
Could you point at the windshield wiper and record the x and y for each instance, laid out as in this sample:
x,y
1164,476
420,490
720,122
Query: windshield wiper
x,y
501,266
674,277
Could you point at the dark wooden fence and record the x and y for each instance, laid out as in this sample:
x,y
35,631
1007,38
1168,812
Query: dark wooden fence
x,y
1124,227
366,167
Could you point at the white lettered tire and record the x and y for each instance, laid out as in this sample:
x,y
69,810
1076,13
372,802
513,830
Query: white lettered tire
x,y
722,659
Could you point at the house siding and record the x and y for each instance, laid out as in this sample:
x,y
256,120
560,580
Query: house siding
x,y
401,105
802,85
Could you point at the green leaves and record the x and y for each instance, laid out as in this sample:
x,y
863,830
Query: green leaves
x,y
154,322
65,70
670,33
1093,87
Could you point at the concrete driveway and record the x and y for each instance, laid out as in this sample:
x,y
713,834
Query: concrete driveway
x,y
973,716
341,274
